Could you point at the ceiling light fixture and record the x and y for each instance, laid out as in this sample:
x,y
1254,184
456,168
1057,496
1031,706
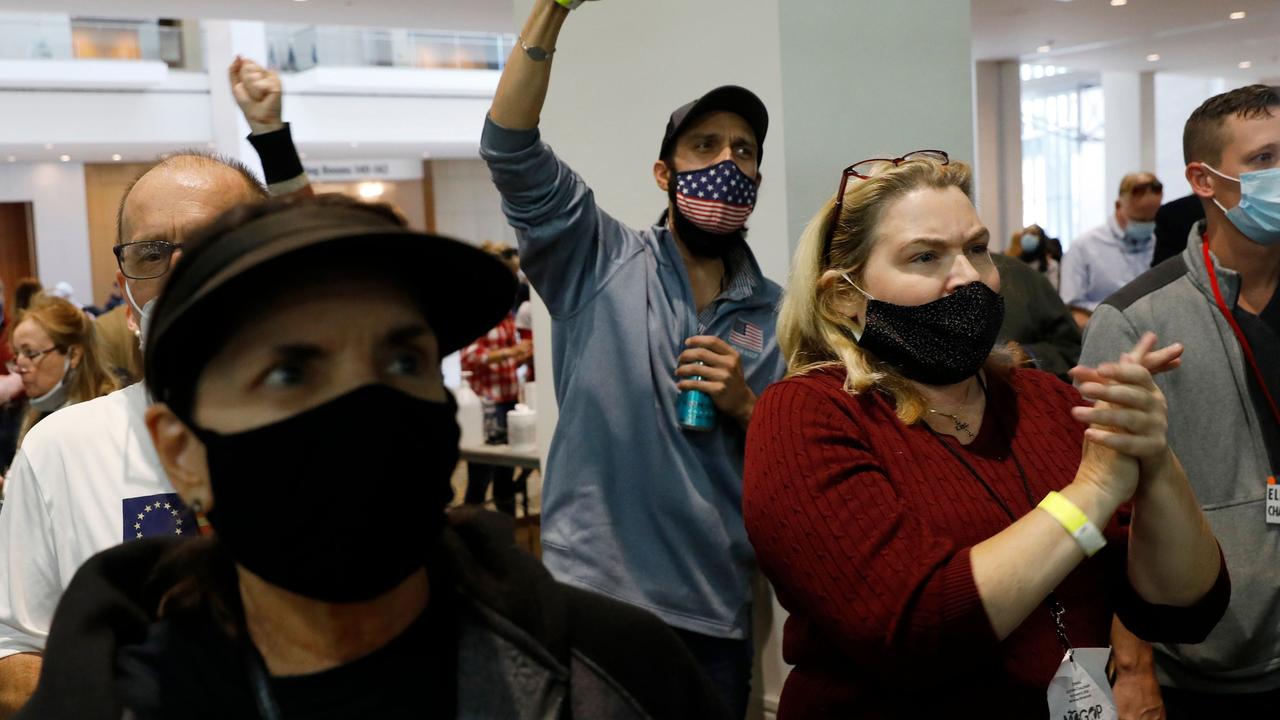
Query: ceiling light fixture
x,y
116,157
1244,65
1238,15
1153,57
1044,49
1119,3
65,158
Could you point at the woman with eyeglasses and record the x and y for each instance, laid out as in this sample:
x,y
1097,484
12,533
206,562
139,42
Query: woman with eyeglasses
x,y
56,352
943,526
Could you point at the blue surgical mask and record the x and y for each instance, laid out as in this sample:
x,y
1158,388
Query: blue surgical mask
x,y
1030,243
1139,231
1257,216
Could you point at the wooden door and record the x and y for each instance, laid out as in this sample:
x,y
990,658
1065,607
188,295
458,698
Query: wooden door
x,y
17,248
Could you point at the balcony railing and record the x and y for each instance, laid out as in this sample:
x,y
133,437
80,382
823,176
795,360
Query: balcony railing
x,y
52,37
294,49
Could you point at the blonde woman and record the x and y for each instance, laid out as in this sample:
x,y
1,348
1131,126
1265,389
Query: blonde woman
x,y
939,523
56,352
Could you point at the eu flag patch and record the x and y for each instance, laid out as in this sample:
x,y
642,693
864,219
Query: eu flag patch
x,y
153,516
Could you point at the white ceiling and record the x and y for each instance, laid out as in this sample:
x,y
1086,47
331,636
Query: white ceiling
x,y
1192,37
478,15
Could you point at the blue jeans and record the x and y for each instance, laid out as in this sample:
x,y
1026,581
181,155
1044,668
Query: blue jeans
x,y
727,663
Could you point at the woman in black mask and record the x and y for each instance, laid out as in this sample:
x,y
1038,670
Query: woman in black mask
x,y
300,412
940,524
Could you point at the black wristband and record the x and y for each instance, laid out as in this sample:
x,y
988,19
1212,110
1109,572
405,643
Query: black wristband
x,y
280,161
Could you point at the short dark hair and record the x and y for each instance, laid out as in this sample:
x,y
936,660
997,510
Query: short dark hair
x,y
1204,137
192,157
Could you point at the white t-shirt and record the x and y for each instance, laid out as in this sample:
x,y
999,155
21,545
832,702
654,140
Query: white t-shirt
x,y
86,478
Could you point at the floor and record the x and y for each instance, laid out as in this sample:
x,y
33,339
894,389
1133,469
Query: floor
x,y
528,530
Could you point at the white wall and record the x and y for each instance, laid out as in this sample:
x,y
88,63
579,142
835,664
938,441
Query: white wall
x,y
468,207
61,219
855,89
1176,97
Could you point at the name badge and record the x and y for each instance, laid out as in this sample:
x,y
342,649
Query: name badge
x,y
1079,689
1273,501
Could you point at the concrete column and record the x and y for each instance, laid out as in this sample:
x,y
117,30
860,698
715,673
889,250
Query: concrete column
x,y
1147,120
844,80
998,162
1122,94
224,39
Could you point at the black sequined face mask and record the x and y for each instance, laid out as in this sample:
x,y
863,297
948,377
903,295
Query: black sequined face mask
x,y
938,343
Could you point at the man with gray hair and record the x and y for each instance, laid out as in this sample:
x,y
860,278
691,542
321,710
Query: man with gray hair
x,y
1106,258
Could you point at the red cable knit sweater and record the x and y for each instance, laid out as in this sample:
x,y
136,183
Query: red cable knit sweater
x,y
864,526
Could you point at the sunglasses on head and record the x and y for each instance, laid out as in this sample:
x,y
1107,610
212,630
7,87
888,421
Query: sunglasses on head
x,y
1155,186
865,170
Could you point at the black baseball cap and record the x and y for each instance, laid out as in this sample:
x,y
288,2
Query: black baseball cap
x,y
727,98
224,274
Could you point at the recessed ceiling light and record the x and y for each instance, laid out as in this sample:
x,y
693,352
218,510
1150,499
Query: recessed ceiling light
x,y
1044,48
1244,65
116,157
1238,15
1153,57
65,158
1118,3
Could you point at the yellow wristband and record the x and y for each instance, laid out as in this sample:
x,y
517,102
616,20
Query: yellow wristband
x,y
571,4
1075,522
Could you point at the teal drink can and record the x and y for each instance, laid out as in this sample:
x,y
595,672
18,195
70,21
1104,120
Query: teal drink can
x,y
695,410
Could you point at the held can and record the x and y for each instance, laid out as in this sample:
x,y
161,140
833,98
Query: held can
x,y
695,410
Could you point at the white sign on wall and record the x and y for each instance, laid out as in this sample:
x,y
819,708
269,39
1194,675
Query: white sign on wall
x,y
362,170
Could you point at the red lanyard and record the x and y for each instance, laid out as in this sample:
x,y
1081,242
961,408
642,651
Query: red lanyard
x,y
1235,327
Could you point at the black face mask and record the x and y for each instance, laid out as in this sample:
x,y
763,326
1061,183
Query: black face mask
x,y
339,503
700,242
938,343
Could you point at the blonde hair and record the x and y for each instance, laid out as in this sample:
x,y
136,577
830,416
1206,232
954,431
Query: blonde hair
x,y
812,331
68,327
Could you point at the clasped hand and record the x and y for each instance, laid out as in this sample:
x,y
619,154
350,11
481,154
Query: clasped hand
x,y
1129,420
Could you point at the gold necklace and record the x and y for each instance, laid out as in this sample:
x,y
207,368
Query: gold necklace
x,y
961,426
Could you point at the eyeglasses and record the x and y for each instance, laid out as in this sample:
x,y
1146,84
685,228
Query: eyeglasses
x,y
32,356
865,170
145,260
1141,189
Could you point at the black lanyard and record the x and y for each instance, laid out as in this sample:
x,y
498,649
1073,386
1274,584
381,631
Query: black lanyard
x,y
1055,607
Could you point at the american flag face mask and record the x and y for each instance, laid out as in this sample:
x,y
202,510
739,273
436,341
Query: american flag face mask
x,y
717,199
